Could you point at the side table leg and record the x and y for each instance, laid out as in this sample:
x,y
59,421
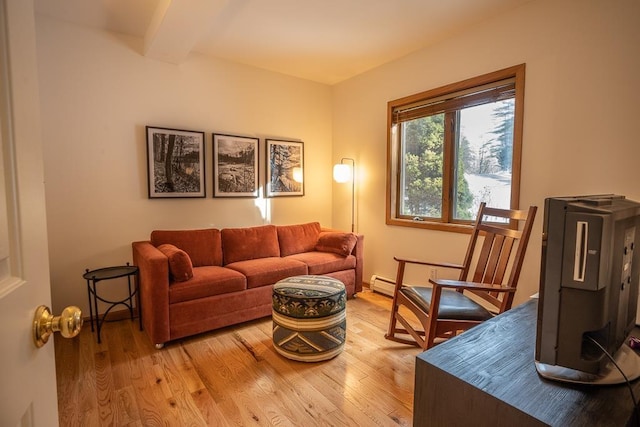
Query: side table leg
x,y
90,304
95,306
138,298
130,296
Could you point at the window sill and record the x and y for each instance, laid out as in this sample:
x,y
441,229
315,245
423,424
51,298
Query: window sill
x,y
440,226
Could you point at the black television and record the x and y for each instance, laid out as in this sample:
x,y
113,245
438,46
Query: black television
x,y
588,289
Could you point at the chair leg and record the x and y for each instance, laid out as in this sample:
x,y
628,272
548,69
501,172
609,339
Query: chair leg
x,y
399,325
421,338
394,303
430,328
418,340
392,324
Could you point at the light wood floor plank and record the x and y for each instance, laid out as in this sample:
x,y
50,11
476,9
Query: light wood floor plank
x,y
88,409
104,388
288,388
210,412
234,377
216,378
127,406
180,398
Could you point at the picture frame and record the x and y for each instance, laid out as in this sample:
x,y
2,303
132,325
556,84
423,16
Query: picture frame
x,y
285,168
175,163
235,166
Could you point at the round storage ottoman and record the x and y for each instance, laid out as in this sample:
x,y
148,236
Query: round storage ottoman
x,y
309,317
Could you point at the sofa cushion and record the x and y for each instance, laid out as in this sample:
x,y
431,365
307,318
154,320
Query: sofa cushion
x,y
295,239
336,242
267,271
207,281
241,244
204,247
324,262
180,267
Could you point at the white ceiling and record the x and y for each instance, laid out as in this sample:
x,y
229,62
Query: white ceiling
x,y
327,41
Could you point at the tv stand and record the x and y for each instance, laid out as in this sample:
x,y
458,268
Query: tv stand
x,y
487,376
626,359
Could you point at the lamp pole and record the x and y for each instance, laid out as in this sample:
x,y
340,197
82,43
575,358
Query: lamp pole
x,y
353,189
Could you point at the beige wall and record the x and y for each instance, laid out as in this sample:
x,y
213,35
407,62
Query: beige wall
x,y
98,94
580,125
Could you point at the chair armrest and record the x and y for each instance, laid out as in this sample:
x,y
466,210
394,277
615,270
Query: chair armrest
x,y
459,284
153,280
434,264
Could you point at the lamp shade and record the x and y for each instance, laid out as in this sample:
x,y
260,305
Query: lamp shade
x,y
342,172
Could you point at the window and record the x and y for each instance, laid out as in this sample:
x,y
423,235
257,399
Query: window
x,y
453,147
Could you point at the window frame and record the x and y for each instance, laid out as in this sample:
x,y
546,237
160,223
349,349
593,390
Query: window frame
x,y
393,192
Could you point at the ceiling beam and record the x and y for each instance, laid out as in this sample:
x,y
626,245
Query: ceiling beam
x,y
177,26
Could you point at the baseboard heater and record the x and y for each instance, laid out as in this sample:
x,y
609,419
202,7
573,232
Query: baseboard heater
x,y
382,284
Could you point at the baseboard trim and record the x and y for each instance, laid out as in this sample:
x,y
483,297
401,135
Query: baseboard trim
x,y
114,316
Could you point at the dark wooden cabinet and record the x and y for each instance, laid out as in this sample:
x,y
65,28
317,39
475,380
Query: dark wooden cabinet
x,y
487,376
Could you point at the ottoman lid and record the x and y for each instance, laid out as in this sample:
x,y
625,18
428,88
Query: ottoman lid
x,y
309,297
309,286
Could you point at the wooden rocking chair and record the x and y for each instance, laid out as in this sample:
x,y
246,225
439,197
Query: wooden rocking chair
x,y
444,309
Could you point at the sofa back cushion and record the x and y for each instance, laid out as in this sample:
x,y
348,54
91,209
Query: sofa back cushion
x,y
240,244
295,239
204,247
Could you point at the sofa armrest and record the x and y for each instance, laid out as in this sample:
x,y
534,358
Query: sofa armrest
x,y
358,252
153,281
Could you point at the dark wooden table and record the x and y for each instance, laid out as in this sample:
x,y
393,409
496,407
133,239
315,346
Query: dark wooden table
x,y
487,376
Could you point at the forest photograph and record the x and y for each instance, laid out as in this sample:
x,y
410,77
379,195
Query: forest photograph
x,y
235,162
284,159
176,163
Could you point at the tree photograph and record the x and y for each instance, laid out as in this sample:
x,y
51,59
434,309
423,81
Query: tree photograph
x,y
176,163
235,160
283,158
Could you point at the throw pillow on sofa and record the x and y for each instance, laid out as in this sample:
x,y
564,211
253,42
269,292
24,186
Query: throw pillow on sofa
x,y
180,266
336,242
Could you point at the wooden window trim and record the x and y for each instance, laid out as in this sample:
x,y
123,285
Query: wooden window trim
x,y
516,72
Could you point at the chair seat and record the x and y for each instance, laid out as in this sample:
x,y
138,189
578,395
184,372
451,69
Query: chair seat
x,y
453,305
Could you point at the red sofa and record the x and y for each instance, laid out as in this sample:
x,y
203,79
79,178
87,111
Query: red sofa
x,y
193,281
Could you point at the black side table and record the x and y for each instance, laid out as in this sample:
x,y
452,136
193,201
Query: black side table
x,y
93,277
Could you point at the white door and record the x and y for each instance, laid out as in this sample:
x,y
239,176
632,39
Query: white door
x,y
27,374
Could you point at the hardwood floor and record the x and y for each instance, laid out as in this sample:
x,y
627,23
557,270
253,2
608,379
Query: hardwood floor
x,y
234,377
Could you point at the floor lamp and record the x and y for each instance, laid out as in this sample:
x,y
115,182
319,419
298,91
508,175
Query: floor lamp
x,y
343,173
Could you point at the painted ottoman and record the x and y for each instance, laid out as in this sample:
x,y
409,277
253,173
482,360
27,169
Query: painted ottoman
x,y
309,317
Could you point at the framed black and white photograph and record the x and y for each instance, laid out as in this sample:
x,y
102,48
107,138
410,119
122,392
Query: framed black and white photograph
x,y
235,166
285,168
175,160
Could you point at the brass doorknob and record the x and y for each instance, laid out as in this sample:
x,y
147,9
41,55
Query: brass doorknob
x,y
68,324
